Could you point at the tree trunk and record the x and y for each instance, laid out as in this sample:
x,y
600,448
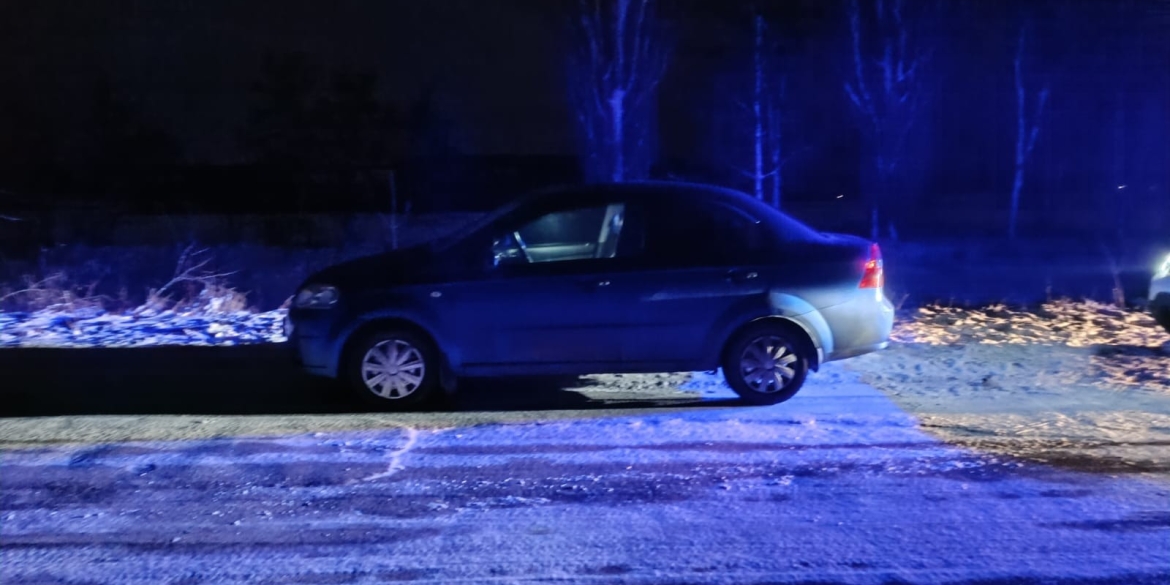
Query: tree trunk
x,y
776,145
757,109
1021,144
1017,186
1026,134
617,113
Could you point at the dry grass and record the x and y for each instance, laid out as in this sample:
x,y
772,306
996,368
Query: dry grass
x,y
1062,322
1127,347
1065,379
192,288
52,293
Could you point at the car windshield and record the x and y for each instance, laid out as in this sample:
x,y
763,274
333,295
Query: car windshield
x,y
474,227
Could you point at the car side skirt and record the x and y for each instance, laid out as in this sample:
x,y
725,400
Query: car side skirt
x,y
578,369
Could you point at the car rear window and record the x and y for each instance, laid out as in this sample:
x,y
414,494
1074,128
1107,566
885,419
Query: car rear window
x,y
789,228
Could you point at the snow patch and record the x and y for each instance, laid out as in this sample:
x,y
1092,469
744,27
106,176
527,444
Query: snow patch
x,y
147,327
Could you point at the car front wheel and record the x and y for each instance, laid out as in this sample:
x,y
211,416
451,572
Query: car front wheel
x,y
765,364
393,370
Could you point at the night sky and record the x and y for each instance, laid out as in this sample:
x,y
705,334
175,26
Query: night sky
x,y
496,69
187,63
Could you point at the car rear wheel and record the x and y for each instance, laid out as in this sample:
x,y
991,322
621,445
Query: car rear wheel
x,y
393,370
766,364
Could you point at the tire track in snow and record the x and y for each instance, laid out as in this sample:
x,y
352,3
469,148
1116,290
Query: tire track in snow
x,y
396,465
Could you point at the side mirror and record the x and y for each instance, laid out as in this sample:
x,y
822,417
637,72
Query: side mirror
x,y
506,251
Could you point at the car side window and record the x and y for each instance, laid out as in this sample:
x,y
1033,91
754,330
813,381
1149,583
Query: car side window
x,y
584,233
699,234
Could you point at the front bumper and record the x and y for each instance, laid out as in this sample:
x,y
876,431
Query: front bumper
x,y
309,345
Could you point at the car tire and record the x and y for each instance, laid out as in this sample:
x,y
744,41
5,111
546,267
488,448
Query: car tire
x,y
393,370
766,363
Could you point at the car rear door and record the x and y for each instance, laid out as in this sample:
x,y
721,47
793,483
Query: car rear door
x,y
701,262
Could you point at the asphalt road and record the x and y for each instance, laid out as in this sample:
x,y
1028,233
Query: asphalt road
x,y
527,484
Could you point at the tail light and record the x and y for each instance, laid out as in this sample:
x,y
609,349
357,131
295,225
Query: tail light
x,y
874,276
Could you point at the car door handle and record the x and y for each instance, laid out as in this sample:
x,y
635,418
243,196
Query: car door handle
x,y
595,284
736,275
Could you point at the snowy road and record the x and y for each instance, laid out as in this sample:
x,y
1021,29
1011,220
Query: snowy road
x,y
836,486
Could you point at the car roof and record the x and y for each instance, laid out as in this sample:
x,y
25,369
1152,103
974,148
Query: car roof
x,y
657,191
653,191
640,190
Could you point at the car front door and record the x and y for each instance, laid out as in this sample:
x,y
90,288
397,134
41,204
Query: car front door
x,y
701,262
544,304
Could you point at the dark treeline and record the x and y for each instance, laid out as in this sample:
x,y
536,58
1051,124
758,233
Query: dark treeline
x,y
906,114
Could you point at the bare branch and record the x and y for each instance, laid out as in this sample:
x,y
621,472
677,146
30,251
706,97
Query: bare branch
x,y
902,39
1026,131
190,273
620,66
33,286
853,97
862,92
641,49
1020,100
625,75
886,65
1043,99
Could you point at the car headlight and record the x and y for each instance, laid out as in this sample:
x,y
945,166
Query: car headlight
x,y
1163,270
316,296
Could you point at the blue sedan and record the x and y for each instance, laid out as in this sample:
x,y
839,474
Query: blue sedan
x,y
1160,294
618,278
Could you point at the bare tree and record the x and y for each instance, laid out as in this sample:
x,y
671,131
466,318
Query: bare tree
x,y
749,138
759,174
1027,130
620,59
776,145
886,91
766,114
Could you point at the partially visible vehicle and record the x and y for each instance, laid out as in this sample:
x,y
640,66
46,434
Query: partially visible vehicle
x,y
1160,294
633,277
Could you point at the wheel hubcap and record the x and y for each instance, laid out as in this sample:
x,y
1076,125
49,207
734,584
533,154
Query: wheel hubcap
x,y
393,369
767,364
